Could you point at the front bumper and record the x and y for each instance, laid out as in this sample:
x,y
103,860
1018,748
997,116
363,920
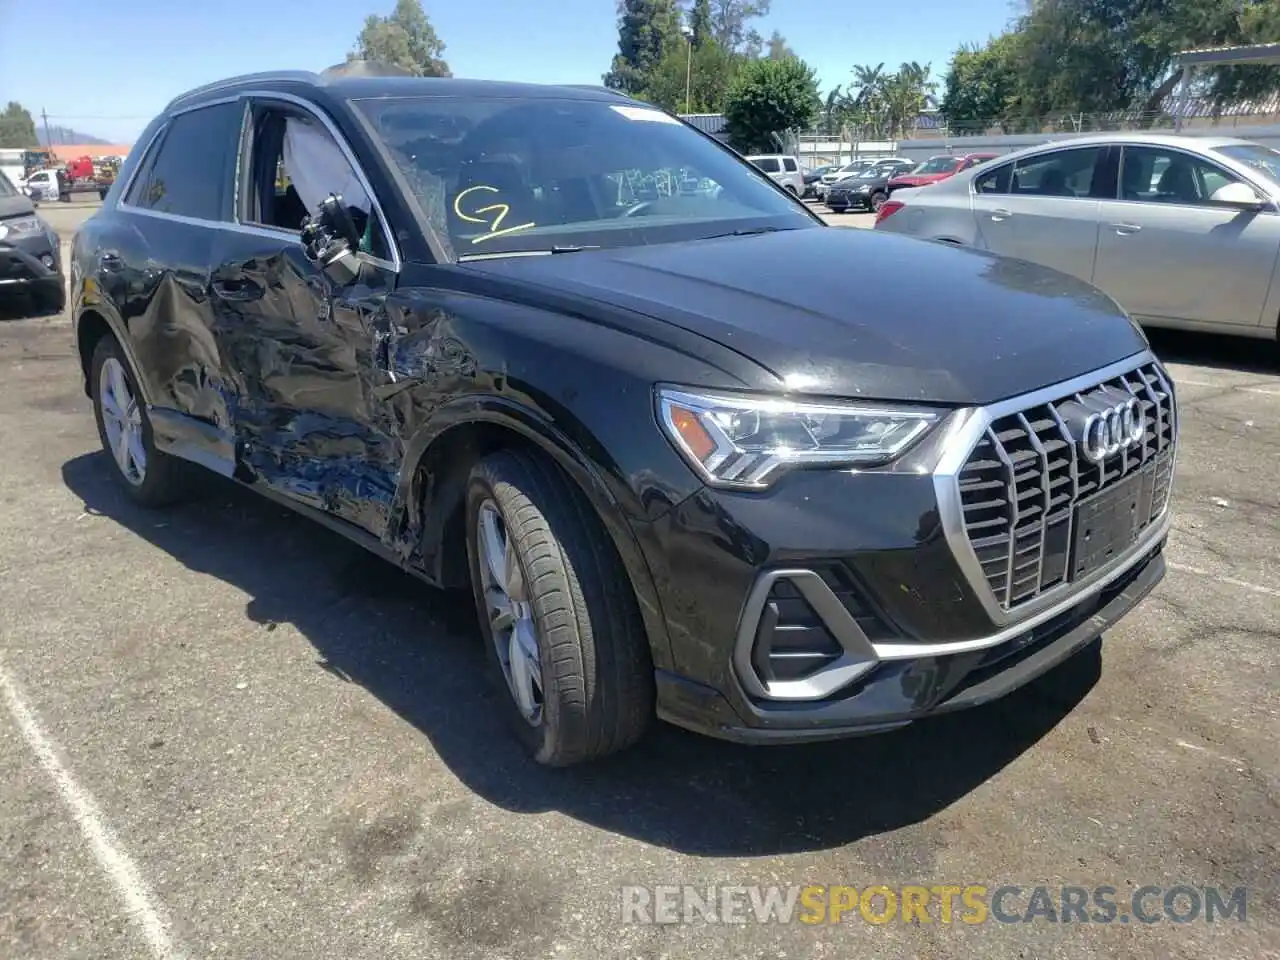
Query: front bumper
x,y
849,602
849,201
28,261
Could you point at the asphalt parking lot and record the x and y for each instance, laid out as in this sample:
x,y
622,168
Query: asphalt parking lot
x,y
227,732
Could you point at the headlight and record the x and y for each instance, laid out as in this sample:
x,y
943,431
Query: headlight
x,y
745,443
20,226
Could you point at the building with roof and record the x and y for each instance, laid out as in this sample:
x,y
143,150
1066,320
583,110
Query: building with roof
x,y
65,152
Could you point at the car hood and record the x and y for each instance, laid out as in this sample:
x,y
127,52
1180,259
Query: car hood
x,y
848,312
19,206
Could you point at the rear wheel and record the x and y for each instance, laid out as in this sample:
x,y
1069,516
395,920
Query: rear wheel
x,y
561,624
149,477
877,200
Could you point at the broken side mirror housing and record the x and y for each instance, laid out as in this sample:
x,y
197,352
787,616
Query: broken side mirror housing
x,y
330,240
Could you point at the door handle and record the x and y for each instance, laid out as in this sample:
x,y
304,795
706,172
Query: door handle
x,y
1124,229
1000,214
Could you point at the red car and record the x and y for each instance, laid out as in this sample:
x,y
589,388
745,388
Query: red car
x,y
939,168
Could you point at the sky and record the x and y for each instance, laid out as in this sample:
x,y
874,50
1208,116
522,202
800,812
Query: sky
x,y
110,67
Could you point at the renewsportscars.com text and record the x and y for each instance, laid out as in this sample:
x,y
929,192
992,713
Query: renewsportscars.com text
x,y
942,903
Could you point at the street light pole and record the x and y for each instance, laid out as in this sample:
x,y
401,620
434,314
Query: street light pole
x,y
688,70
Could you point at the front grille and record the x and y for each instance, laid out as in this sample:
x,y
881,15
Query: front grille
x,y
1024,478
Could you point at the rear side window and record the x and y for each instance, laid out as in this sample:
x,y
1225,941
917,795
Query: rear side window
x,y
186,172
1062,173
789,165
994,181
768,164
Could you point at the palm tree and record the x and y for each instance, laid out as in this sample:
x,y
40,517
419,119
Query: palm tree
x,y
870,98
907,93
832,108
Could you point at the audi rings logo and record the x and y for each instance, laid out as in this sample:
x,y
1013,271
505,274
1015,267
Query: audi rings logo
x,y
1107,432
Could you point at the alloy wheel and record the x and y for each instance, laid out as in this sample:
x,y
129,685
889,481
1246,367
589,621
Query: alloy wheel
x,y
510,612
122,422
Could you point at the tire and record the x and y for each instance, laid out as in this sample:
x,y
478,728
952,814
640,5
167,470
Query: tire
x,y
102,194
591,692
791,190
162,480
877,200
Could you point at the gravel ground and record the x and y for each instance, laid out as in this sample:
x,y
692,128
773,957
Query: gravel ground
x,y
227,732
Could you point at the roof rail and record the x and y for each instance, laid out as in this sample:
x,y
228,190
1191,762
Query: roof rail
x,y
302,76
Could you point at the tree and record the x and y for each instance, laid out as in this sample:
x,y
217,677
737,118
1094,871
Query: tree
x,y
1086,56
17,129
767,99
646,30
406,39
982,87
700,22
777,47
731,24
710,72
906,94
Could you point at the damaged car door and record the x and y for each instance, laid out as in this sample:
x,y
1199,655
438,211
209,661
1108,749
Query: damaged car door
x,y
309,425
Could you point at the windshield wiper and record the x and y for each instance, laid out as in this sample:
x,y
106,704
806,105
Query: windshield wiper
x,y
568,248
748,232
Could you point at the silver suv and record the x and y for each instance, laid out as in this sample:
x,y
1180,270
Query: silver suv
x,y
783,170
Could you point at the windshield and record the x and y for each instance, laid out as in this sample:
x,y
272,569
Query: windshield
x,y
1264,160
873,173
503,175
937,165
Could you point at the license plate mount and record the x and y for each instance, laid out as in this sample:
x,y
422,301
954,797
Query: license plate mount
x,y
1109,523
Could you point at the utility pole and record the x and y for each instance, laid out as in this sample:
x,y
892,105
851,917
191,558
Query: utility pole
x,y
45,117
688,70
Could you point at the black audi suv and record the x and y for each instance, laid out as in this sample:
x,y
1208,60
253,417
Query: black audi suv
x,y
480,329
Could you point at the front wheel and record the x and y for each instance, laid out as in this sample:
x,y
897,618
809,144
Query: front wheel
x,y
565,641
877,200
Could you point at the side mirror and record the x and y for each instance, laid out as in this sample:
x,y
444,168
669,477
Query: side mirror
x,y
1238,195
330,240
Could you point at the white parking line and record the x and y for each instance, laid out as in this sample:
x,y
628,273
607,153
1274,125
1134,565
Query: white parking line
x,y
118,866
1229,581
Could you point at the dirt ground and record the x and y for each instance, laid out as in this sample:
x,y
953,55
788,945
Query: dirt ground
x,y
227,732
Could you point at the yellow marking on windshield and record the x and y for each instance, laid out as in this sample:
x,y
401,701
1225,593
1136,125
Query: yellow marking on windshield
x,y
499,213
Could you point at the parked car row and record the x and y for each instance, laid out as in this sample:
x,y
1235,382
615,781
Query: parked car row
x,y
1181,231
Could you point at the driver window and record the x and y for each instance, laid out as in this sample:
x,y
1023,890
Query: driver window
x,y
295,164
1163,175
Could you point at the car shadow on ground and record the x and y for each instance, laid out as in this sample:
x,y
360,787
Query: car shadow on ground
x,y
25,307
419,652
1245,354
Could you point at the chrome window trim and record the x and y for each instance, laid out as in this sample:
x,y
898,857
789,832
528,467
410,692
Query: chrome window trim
x,y
1032,157
395,263
946,483
1125,146
235,225
123,203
